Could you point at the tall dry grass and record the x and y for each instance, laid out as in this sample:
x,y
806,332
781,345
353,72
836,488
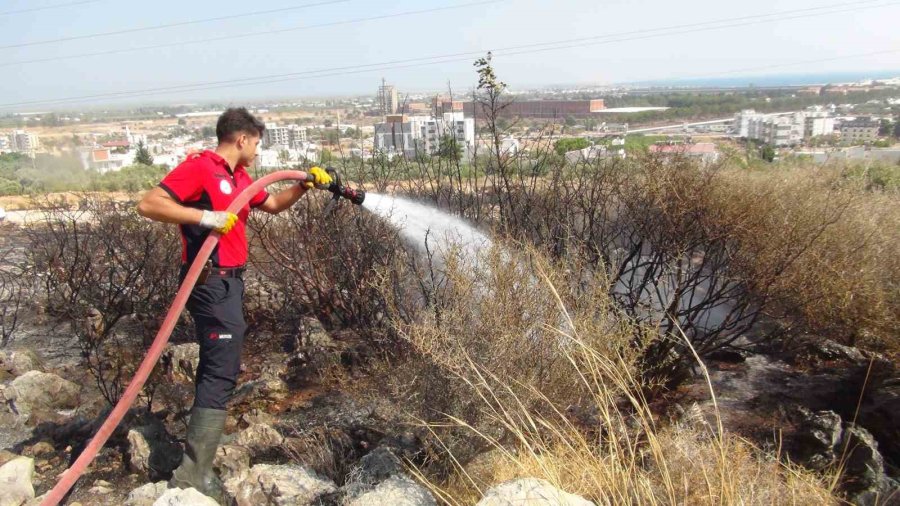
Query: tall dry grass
x,y
845,280
523,367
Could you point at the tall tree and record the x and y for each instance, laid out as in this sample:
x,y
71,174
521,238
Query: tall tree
x,y
143,156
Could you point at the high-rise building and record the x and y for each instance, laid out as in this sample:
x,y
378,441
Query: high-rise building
x,y
411,135
861,129
22,141
387,99
285,137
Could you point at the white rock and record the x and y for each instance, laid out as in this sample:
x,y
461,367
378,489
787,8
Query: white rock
x,y
40,390
396,491
181,360
18,363
282,485
15,482
179,497
232,461
259,437
530,492
146,494
138,452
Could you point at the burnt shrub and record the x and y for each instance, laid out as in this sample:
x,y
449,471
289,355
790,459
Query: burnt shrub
x,y
323,263
112,275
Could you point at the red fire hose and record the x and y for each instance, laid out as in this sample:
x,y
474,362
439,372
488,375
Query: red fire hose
x,y
71,475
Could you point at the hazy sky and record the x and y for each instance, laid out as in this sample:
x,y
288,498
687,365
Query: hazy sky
x,y
860,27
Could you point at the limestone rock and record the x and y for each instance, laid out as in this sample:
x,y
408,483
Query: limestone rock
x,y
313,335
19,362
15,482
138,452
146,494
377,466
818,437
259,437
864,465
180,361
530,492
37,390
285,485
179,497
880,413
396,491
152,450
232,461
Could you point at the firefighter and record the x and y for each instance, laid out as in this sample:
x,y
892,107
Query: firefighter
x,y
195,195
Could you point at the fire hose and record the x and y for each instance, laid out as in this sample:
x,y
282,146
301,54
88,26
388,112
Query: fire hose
x,y
71,475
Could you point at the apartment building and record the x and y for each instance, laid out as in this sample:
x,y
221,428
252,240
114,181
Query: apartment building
x,y
285,137
22,141
860,130
423,134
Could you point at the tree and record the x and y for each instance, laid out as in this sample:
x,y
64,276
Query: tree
x,y
886,128
284,157
143,156
767,153
897,129
450,149
563,146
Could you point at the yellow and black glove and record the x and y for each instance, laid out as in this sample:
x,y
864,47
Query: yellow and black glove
x,y
322,177
220,221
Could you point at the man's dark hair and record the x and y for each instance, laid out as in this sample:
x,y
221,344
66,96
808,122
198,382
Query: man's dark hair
x,y
237,120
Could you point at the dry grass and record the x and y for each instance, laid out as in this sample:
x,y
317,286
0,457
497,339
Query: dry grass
x,y
526,370
845,281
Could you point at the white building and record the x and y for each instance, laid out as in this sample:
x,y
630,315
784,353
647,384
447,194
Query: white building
x,y
22,141
818,121
423,134
451,124
741,125
784,130
105,160
284,137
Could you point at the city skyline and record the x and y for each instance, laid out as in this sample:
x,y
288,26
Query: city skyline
x,y
663,43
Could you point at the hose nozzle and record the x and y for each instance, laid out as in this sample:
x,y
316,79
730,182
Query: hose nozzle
x,y
339,190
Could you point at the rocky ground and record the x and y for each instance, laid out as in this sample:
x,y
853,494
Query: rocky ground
x,y
305,429
819,403
293,439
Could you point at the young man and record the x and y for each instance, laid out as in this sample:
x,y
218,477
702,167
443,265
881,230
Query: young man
x,y
194,196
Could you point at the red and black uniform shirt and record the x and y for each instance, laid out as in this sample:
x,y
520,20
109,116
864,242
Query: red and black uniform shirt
x,y
205,181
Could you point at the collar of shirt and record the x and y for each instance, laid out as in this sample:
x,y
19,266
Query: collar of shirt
x,y
215,157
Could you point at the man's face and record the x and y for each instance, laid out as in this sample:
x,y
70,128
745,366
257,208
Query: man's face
x,y
248,147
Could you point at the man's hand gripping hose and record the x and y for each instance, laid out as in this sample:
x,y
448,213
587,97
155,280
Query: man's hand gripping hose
x,y
70,476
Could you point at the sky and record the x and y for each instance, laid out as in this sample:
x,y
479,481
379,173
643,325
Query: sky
x,y
627,41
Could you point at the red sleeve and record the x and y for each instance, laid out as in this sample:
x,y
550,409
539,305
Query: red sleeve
x,y
259,199
184,183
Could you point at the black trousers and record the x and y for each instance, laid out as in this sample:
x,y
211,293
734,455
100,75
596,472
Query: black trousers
x,y
217,310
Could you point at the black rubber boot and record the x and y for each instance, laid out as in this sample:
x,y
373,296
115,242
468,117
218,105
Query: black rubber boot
x,y
203,435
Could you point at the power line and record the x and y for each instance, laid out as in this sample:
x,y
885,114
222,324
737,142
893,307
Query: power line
x,y
172,25
48,7
253,34
414,62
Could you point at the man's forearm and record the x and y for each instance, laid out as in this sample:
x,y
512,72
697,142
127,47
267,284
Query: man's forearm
x,y
285,198
158,206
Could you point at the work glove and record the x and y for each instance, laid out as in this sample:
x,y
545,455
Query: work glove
x,y
322,177
220,221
